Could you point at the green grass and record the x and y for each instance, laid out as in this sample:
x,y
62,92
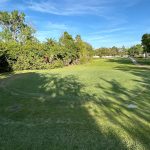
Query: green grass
x,y
78,107
143,61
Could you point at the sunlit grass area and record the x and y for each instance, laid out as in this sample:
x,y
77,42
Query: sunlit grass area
x,y
76,107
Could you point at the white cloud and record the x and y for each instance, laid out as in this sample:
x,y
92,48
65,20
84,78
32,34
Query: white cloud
x,y
57,27
72,7
68,8
108,30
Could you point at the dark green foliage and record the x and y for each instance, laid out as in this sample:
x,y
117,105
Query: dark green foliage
x,y
4,64
69,50
146,42
20,50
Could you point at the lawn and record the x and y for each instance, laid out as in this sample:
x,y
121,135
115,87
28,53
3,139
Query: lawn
x,y
82,107
143,61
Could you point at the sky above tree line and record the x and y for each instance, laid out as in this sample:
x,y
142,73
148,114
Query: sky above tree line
x,y
102,23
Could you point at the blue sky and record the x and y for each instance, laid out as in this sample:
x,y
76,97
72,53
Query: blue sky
x,y
102,23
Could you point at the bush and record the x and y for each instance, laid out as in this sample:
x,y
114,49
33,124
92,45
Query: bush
x,y
57,64
20,50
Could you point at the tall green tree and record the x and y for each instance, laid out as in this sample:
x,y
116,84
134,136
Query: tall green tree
x,y
79,45
14,27
135,50
146,42
68,47
84,49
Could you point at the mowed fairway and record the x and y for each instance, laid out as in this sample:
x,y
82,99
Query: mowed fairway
x,y
78,107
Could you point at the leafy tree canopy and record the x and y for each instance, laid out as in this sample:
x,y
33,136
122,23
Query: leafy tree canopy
x,y
146,42
14,27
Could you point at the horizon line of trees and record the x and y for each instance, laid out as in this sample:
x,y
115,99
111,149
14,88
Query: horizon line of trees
x,y
21,50
113,51
135,50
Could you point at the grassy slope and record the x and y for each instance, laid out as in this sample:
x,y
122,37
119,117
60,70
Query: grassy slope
x,y
77,107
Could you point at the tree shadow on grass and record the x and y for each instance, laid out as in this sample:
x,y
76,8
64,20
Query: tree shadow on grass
x,y
47,111
134,121
131,120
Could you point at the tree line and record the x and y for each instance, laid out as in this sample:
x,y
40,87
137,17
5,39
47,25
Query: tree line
x,y
21,50
113,51
136,50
